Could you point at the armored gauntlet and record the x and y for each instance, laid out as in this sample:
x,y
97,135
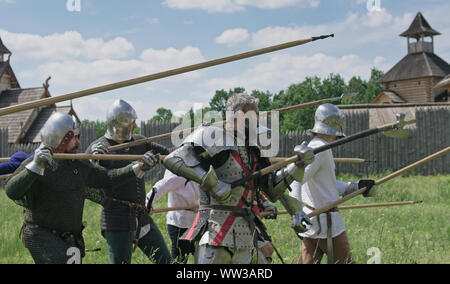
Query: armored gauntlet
x,y
183,162
148,162
42,158
357,185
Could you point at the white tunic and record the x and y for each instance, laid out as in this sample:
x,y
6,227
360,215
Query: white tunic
x,y
179,195
319,187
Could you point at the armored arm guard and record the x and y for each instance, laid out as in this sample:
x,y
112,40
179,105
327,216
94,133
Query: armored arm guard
x,y
280,180
100,178
184,162
158,148
275,190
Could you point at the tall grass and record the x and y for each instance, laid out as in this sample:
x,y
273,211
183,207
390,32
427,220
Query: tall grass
x,y
403,234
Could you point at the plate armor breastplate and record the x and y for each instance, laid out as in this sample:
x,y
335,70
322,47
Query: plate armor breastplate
x,y
224,229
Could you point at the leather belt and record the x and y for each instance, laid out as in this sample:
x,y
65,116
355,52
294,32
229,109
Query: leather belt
x,y
238,211
335,209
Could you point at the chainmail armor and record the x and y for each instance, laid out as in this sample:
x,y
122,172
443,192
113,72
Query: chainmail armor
x,y
117,216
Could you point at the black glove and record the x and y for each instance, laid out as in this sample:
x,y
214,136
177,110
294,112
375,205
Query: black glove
x,y
368,183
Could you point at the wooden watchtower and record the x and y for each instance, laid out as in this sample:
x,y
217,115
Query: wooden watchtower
x,y
412,80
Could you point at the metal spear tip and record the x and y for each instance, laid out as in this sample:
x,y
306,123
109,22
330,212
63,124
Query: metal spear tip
x,y
344,96
349,95
322,37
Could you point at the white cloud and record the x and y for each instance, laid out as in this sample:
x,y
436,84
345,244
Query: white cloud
x,y
354,29
154,21
233,36
75,73
274,4
377,18
76,63
222,6
283,70
64,46
171,57
229,6
279,34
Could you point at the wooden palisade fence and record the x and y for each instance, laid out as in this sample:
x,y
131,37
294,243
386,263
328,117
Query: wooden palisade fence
x,y
431,134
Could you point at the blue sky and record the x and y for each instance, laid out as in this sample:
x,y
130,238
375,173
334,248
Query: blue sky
x,y
113,40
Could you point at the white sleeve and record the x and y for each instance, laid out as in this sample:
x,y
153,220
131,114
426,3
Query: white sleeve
x,y
312,168
296,190
168,184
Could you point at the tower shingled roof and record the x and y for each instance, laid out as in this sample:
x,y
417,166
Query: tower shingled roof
x,y
419,27
3,48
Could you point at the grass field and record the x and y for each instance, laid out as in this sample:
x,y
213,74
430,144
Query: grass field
x,y
403,234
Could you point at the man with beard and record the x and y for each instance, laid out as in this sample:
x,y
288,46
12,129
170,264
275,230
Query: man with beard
x,y
126,221
226,229
53,192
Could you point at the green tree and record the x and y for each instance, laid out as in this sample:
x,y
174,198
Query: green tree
x,y
219,100
311,89
367,90
162,114
265,99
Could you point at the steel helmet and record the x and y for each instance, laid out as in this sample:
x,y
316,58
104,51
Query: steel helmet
x,y
119,121
60,128
329,120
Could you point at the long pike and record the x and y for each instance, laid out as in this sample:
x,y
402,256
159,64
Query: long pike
x,y
380,181
283,212
389,130
152,77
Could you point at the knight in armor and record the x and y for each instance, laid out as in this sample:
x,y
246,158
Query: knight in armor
x,y
126,223
53,192
226,229
319,187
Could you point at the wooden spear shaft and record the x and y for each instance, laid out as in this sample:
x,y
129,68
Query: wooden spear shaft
x,y
336,160
378,182
162,210
152,77
282,212
102,157
5,176
359,206
118,157
342,141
